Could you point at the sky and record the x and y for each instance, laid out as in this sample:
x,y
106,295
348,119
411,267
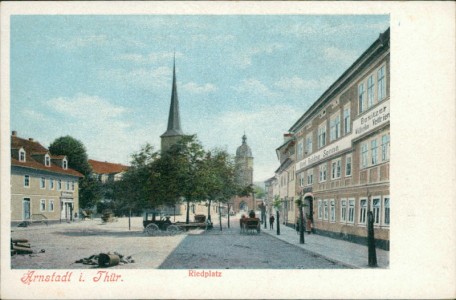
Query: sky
x,y
106,80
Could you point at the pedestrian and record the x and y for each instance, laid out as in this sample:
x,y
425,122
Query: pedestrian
x,y
271,221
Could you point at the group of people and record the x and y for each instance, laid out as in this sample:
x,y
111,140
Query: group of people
x,y
271,218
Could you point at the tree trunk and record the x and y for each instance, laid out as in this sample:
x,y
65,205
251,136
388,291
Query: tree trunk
x,y
220,217
228,215
187,217
209,210
129,220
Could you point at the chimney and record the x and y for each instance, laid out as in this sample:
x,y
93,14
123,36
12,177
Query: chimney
x,y
14,133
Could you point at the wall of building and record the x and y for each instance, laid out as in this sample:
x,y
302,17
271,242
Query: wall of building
x,y
363,141
36,194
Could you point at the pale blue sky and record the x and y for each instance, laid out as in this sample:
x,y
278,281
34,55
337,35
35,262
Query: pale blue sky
x,y
106,80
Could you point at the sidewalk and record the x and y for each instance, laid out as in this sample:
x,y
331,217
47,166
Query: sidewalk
x,y
350,254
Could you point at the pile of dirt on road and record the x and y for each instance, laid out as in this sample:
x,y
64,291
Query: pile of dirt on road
x,y
106,259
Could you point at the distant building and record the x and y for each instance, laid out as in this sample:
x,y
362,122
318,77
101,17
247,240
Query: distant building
x,y
243,176
106,171
43,188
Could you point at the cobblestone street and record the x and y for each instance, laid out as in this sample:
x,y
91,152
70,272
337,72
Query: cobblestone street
x,y
228,249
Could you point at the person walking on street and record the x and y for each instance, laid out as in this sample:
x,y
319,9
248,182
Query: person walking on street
x,y
271,222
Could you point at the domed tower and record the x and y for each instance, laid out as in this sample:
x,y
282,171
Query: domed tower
x,y
244,163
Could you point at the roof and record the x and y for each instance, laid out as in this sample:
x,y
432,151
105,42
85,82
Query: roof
x,y
379,45
244,150
33,148
100,167
286,163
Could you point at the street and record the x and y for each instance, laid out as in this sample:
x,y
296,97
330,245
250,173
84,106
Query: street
x,y
228,249
64,244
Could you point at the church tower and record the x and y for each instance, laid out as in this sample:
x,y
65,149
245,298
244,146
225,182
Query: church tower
x,y
174,132
244,163
243,176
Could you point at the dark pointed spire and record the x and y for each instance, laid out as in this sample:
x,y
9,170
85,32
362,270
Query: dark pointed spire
x,y
174,126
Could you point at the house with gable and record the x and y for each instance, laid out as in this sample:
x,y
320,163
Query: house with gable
x,y
43,188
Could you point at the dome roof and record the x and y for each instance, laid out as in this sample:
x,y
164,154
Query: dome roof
x,y
244,150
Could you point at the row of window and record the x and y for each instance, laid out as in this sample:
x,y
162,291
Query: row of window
x,y
368,95
50,206
306,178
370,151
334,132
70,185
368,158
47,159
380,209
365,102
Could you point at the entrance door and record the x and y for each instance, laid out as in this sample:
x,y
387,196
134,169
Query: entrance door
x,y
65,212
308,208
26,209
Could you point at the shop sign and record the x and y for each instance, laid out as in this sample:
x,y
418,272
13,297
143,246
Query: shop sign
x,y
67,194
330,150
372,120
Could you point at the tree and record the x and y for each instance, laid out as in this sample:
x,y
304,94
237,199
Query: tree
x,y
75,152
218,175
259,191
183,177
137,188
90,191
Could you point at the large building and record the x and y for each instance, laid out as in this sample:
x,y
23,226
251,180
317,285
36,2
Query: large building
x,y
336,155
43,188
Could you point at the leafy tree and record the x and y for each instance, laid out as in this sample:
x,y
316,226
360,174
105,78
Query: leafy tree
x,y
259,191
218,173
75,152
136,190
90,191
185,177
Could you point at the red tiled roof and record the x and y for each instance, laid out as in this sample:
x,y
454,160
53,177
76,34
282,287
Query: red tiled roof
x,y
33,147
100,167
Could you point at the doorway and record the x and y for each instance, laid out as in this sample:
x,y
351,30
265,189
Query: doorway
x,y
26,209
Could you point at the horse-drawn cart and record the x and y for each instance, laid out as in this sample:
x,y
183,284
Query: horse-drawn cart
x,y
155,222
250,224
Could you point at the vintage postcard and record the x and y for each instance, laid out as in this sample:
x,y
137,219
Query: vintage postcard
x,y
206,150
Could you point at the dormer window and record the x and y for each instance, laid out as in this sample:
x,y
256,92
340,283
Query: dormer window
x,y
47,160
22,155
64,164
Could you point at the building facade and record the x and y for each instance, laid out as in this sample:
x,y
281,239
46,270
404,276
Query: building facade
x,y
342,146
43,188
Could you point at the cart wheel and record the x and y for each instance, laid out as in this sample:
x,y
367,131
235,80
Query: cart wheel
x,y
173,229
151,229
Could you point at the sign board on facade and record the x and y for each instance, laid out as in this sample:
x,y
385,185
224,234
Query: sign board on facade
x,y
67,194
378,116
373,119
